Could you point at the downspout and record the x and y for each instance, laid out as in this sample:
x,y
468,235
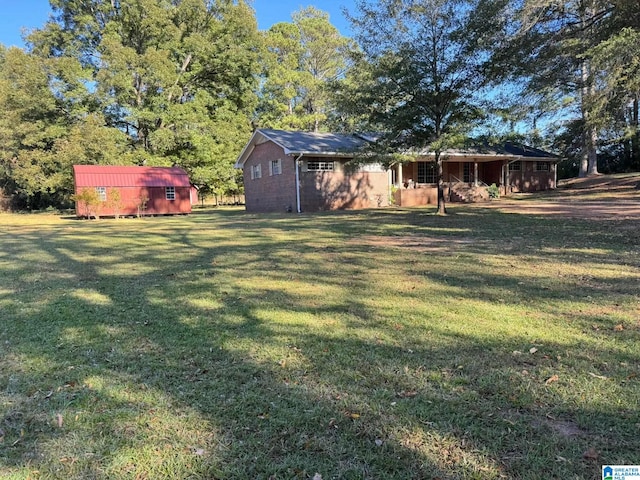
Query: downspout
x,y
297,161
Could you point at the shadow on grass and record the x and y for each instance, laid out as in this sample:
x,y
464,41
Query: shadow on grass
x,y
235,346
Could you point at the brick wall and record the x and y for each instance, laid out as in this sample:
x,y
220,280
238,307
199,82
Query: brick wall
x,y
530,180
319,190
341,189
270,193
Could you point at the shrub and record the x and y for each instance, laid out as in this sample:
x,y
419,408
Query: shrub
x,y
493,191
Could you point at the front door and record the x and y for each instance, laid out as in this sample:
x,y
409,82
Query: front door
x,y
467,172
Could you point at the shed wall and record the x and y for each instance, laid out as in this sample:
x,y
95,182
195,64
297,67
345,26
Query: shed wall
x,y
130,198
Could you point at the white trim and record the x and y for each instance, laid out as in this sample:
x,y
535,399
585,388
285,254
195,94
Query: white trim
x,y
297,161
276,171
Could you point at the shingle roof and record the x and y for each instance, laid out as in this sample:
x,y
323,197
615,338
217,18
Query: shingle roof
x,y
508,150
526,151
344,145
118,176
311,142
305,143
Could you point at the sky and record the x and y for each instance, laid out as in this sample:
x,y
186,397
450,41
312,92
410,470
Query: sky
x,y
16,15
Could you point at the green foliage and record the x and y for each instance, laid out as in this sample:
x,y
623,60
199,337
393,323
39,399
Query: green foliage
x,y
574,64
128,82
299,62
88,203
615,103
416,76
493,191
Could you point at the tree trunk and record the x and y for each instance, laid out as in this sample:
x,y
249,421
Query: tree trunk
x,y
635,137
442,209
592,168
589,158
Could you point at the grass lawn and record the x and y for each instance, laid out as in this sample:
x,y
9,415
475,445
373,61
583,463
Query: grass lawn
x,y
388,344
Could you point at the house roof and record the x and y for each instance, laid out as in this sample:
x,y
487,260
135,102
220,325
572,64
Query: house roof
x,y
520,150
304,143
118,176
340,145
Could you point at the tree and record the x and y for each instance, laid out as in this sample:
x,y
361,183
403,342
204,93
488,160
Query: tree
x,y
616,61
300,60
568,49
88,202
417,77
177,77
46,128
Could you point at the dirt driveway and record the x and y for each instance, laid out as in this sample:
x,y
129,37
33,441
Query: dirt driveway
x,y
615,197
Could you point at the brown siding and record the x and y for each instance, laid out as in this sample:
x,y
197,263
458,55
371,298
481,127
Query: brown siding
x,y
274,193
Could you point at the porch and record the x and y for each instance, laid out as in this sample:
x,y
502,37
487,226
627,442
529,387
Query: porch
x,y
464,181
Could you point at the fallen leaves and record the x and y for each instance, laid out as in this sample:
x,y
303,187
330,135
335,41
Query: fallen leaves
x,y
407,394
591,454
552,379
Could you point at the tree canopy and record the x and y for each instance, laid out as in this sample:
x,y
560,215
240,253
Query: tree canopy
x,y
150,82
300,60
418,75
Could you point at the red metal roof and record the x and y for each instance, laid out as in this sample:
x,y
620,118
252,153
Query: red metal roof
x,y
116,176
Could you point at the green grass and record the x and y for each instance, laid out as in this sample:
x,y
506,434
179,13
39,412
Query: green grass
x,y
388,344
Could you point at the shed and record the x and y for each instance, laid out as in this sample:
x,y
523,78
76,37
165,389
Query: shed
x,y
130,190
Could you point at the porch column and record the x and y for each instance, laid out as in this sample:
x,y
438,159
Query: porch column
x,y
399,179
475,174
506,177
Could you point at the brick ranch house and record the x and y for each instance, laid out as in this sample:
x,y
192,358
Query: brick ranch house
x,y
140,190
302,171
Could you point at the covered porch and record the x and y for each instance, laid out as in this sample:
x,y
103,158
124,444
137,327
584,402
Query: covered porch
x,y
465,180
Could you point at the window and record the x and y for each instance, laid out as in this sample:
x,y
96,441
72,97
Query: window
x,y
256,171
316,165
515,166
275,167
467,172
170,193
102,193
543,166
427,172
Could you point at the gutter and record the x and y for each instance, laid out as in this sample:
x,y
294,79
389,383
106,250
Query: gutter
x,y
297,162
